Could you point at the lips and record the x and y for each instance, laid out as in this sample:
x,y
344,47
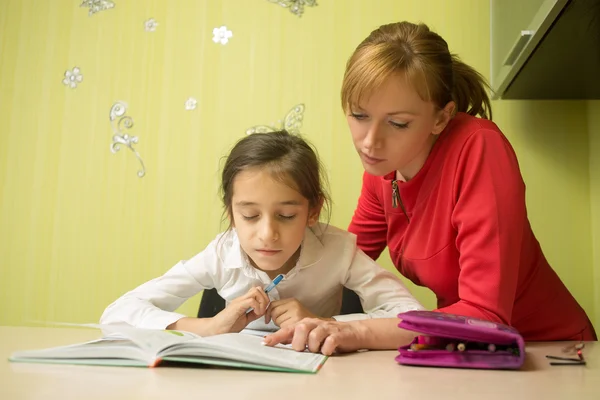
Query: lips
x,y
371,160
268,252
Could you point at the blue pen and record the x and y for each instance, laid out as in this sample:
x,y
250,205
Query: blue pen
x,y
271,286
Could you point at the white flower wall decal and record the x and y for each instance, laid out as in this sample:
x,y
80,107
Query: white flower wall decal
x,y
72,77
292,122
150,25
191,103
119,122
296,6
222,35
97,5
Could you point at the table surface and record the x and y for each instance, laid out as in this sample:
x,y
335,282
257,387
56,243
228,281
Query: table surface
x,y
353,376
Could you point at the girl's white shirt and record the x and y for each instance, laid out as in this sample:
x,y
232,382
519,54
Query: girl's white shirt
x,y
329,260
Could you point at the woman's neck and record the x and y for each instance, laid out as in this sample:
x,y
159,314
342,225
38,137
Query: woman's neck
x,y
413,168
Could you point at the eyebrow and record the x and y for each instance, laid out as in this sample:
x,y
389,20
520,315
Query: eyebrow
x,y
393,112
402,112
283,203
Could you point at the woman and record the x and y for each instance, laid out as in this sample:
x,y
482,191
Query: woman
x,y
443,190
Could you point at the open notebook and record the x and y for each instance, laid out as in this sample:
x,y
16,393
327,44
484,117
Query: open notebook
x,y
127,346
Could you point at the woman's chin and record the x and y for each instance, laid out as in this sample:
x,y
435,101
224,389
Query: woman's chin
x,y
377,169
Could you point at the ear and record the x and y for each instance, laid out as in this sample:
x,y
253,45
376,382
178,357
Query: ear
x,y
443,117
313,214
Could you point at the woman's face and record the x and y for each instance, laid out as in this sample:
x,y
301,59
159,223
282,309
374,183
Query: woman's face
x,y
394,129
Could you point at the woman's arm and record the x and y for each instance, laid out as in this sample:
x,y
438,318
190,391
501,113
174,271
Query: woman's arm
x,y
329,337
490,218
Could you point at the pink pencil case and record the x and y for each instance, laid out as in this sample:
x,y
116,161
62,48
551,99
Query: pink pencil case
x,y
455,341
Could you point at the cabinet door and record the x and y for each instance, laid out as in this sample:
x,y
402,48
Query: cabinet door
x,y
517,26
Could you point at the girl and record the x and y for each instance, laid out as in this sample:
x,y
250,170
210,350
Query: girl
x,y
273,194
443,191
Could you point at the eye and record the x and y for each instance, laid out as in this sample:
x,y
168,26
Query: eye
x,y
249,217
398,125
358,116
287,217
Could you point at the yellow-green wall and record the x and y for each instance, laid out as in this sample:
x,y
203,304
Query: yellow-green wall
x,y
594,140
551,139
78,227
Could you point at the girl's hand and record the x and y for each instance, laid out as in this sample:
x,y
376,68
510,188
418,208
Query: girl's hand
x,y
287,312
234,318
320,336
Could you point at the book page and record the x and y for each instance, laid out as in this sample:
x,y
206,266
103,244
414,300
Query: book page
x,y
105,348
151,341
249,349
255,332
119,342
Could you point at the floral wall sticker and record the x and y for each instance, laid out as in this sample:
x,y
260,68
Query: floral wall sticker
x,y
191,103
222,35
292,122
97,5
120,123
296,6
72,78
150,25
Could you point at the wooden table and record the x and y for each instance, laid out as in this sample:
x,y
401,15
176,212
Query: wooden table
x,y
367,375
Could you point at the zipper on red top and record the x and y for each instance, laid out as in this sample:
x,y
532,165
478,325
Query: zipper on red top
x,y
397,200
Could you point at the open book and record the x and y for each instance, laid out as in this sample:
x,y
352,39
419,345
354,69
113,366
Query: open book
x,y
128,346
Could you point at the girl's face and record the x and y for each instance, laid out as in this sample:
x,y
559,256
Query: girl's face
x,y
270,219
394,129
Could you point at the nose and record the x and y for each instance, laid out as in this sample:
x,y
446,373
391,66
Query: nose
x,y
269,231
373,138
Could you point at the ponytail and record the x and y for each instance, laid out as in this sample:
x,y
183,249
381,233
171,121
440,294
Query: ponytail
x,y
470,90
423,55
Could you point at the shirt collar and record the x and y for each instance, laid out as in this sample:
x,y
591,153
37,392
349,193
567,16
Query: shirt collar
x,y
312,246
234,257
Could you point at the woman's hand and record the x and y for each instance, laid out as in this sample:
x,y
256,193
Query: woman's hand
x,y
321,336
287,312
328,337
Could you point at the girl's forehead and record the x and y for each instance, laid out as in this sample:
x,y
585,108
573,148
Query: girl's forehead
x,y
262,186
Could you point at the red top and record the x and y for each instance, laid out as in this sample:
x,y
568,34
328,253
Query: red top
x,y
460,228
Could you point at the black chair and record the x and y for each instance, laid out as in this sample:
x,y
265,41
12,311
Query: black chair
x,y
212,303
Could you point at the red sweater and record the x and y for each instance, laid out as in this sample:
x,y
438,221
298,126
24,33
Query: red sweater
x,y
460,228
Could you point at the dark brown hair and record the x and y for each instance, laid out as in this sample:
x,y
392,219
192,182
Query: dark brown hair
x,y
424,58
289,158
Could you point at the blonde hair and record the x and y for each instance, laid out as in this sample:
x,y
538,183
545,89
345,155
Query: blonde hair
x,y
424,59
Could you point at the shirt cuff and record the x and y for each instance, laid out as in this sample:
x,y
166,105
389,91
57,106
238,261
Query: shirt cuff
x,y
159,319
351,317
465,310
